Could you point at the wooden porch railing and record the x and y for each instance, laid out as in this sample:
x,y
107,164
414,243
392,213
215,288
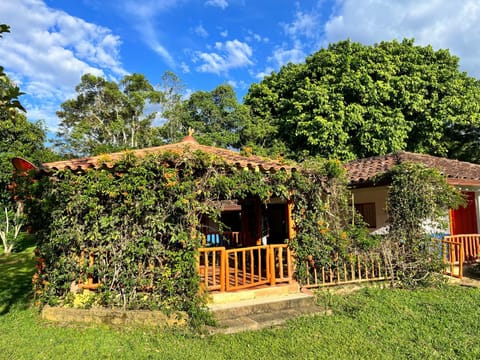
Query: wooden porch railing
x,y
233,269
453,257
356,268
471,245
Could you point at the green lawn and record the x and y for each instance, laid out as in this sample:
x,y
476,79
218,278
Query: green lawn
x,y
372,324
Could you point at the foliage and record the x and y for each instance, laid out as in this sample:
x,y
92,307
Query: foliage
x,y
20,138
10,228
352,101
107,116
324,218
140,221
418,197
9,93
216,117
172,91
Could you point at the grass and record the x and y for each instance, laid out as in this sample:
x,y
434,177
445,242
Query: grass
x,y
441,323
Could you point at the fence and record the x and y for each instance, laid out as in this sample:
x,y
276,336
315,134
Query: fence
x,y
356,268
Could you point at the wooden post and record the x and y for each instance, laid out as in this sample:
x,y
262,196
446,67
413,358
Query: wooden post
x,y
289,265
290,223
258,222
224,275
271,264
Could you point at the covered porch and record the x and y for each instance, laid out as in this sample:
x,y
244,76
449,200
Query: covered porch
x,y
248,247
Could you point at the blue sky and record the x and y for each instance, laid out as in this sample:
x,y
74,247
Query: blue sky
x,y
207,42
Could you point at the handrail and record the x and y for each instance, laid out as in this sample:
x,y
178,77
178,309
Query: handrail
x,y
471,245
224,269
453,256
211,267
247,267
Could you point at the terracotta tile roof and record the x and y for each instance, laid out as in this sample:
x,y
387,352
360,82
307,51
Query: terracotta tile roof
x,y
188,144
362,171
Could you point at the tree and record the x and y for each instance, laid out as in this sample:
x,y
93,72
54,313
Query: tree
x,y
107,116
9,93
216,117
171,90
352,100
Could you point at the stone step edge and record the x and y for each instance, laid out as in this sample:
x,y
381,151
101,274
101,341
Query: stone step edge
x,y
264,320
252,308
260,301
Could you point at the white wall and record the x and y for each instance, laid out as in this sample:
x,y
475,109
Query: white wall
x,y
377,195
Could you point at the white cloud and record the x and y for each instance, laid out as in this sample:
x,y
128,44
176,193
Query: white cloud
x,y
305,24
238,84
233,54
444,24
268,70
217,3
284,55
224,33
48,51
147,9
142,17
252,36
185,68
200,31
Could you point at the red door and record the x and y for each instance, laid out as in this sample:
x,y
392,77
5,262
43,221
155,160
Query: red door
x,y
464,219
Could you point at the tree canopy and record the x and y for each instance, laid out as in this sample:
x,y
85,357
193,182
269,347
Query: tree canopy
x,y
351,100
107,116
216,116
9,93
18,136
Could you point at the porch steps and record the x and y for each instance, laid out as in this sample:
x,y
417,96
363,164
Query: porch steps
x,y
262,312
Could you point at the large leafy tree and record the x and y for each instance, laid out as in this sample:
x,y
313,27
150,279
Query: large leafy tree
x,y
352,100
107,116
216,116
172,91
18,136
9,93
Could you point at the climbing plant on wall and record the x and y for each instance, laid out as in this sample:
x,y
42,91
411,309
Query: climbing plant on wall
x,y
418,201
139,220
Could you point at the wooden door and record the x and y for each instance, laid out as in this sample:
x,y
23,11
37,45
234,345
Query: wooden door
x,y
464,219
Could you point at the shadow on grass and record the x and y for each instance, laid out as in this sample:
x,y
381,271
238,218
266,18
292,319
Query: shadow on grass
x,y
16,273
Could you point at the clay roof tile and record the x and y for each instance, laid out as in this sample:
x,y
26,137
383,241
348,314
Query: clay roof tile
x,y
362,171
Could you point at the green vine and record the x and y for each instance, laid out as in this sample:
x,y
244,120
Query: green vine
x,y
418,199
140,222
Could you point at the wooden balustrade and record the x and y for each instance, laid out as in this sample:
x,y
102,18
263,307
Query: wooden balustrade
x,y
240,268
281,263
247,267
470,243
453,256
354,269
211,267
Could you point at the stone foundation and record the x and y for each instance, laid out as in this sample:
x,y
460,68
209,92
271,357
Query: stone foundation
x,y
120,317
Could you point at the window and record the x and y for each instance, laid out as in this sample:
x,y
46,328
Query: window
x,y
367,210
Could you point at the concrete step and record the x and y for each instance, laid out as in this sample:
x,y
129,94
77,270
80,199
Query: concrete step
x,y
261,313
